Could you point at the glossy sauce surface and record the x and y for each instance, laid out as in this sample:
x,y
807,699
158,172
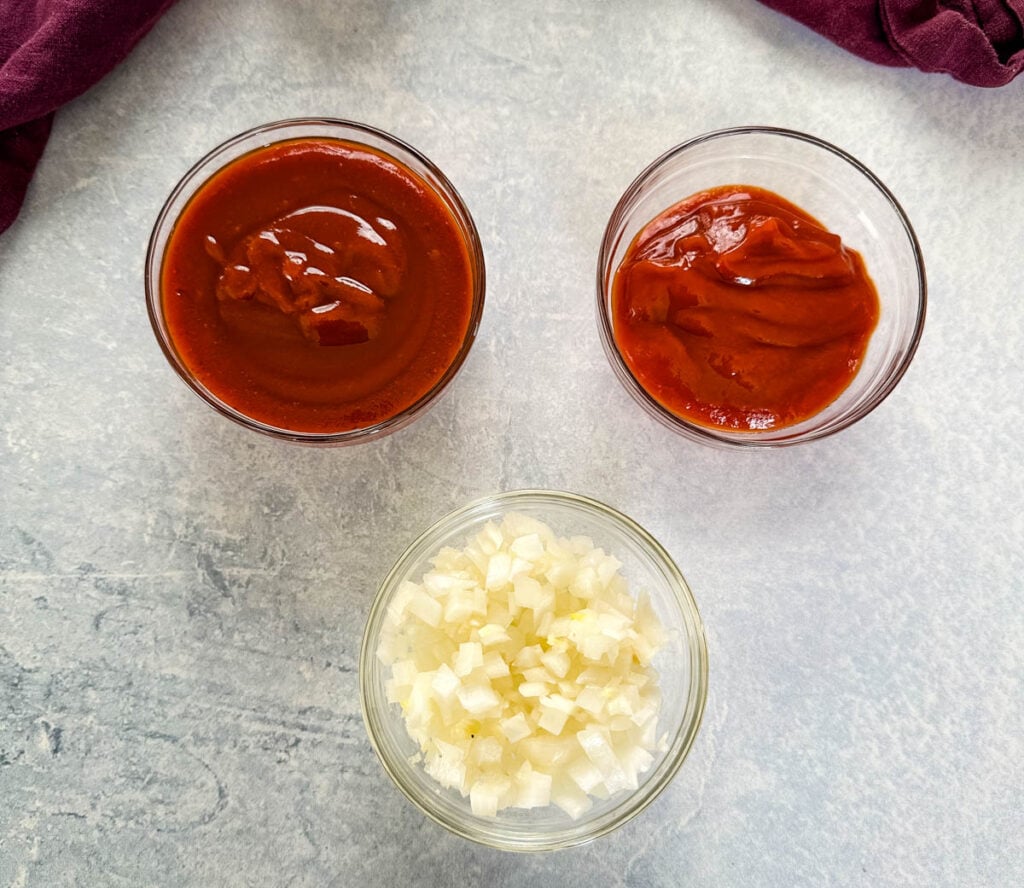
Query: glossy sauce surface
x,y
736,309
317,285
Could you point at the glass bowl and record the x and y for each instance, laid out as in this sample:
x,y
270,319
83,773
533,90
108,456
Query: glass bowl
x,y
682,667
288,130
838,190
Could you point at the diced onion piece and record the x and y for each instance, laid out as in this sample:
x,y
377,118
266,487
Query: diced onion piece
x,y
599,750
585,774
428,609
515,728
478,698
438,583
620,705
608,569
533,788
403,595
591,699
485,794
528,592
495,665
528,656
448,559
493,634
490,538
550,753
447,770
571,799
529,547
498,570
557,662
520,567
555,711
487,750
404,673
458,608
635,761
469,657
445,682
597,647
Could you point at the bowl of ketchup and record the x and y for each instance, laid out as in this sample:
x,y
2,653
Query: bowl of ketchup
x,y
759,287
315,280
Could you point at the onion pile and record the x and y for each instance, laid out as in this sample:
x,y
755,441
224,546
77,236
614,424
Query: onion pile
x,y
522,666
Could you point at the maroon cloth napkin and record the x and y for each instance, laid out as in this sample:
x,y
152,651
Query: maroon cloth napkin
x,y
50,52
980,42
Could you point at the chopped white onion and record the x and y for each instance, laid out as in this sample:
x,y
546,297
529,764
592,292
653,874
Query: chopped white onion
x,y
522,667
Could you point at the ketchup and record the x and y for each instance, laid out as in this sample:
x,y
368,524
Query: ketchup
x,y
736,309
317,285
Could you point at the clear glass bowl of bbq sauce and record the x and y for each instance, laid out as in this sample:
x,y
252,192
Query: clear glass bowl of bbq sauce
x,y
759,287
315,280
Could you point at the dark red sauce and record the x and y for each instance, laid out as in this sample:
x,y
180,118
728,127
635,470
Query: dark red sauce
x,y
736,309
317,285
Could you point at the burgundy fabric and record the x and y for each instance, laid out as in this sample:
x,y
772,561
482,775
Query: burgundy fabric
x,y
980,42
50,52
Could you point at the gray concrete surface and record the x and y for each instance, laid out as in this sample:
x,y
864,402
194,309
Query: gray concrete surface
x,y
181,602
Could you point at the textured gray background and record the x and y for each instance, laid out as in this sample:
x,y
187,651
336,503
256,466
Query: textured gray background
x,y
181,601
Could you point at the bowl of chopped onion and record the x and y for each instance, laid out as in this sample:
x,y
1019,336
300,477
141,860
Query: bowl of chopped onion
x,y
533,670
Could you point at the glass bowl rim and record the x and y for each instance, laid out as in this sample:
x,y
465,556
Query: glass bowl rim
x,y
692,625
726,438
192,181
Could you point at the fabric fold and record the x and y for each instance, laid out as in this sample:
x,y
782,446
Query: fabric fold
x,y
52,51
979,42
